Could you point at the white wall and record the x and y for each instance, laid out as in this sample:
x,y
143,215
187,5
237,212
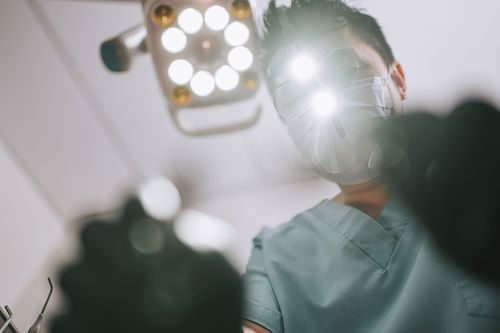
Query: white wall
x,y
449,48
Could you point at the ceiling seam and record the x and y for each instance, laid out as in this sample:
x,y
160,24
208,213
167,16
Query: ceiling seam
x,y
46,196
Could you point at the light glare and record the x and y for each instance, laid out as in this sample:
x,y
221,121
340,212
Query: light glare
x,y
180,71
236,34
190,20
226,78
240,58
160,198
216,18
324,103
303,67
204,232
203,83
174,40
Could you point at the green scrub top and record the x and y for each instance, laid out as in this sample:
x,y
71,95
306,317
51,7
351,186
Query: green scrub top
x,y
334,269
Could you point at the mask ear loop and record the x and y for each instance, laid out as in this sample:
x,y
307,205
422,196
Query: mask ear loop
x,y
291,36
374,158
388,76
388,79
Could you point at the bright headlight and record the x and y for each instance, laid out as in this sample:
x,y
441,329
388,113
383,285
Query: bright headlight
x,y
216,18
180,71
203,83
190,20
303,67
236,34
324,103
240,58
174,40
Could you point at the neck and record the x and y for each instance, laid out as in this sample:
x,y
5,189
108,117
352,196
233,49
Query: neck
x,y
369,197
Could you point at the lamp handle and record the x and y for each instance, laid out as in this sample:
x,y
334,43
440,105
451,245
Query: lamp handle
x,y
237,126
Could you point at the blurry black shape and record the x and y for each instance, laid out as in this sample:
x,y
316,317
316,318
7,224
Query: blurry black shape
x,y
121,284
449,172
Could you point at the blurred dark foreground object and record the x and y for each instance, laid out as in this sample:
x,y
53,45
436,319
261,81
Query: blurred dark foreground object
x,y
134,275
448,169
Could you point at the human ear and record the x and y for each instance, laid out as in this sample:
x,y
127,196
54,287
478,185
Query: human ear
x,y
399,79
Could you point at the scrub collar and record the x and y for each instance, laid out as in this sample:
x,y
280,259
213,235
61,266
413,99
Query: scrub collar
x,y
374,237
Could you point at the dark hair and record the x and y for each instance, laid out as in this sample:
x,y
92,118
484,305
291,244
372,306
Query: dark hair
x,y
303,12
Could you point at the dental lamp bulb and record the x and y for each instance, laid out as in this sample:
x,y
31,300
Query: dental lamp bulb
x,y
216,18
240,58
190,20
203,83
236,34
180,71
174,40
226,78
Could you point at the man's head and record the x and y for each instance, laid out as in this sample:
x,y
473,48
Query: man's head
x,y
332,75
362,34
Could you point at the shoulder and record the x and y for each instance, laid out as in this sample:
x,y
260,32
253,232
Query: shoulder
x,y
300,221
287,245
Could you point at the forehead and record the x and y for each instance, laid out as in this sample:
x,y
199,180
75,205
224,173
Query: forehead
x,y
342,38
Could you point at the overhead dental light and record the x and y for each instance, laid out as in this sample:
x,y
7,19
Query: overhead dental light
x,y
203,52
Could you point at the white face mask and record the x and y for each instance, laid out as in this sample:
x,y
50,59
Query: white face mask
x,y
338,145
